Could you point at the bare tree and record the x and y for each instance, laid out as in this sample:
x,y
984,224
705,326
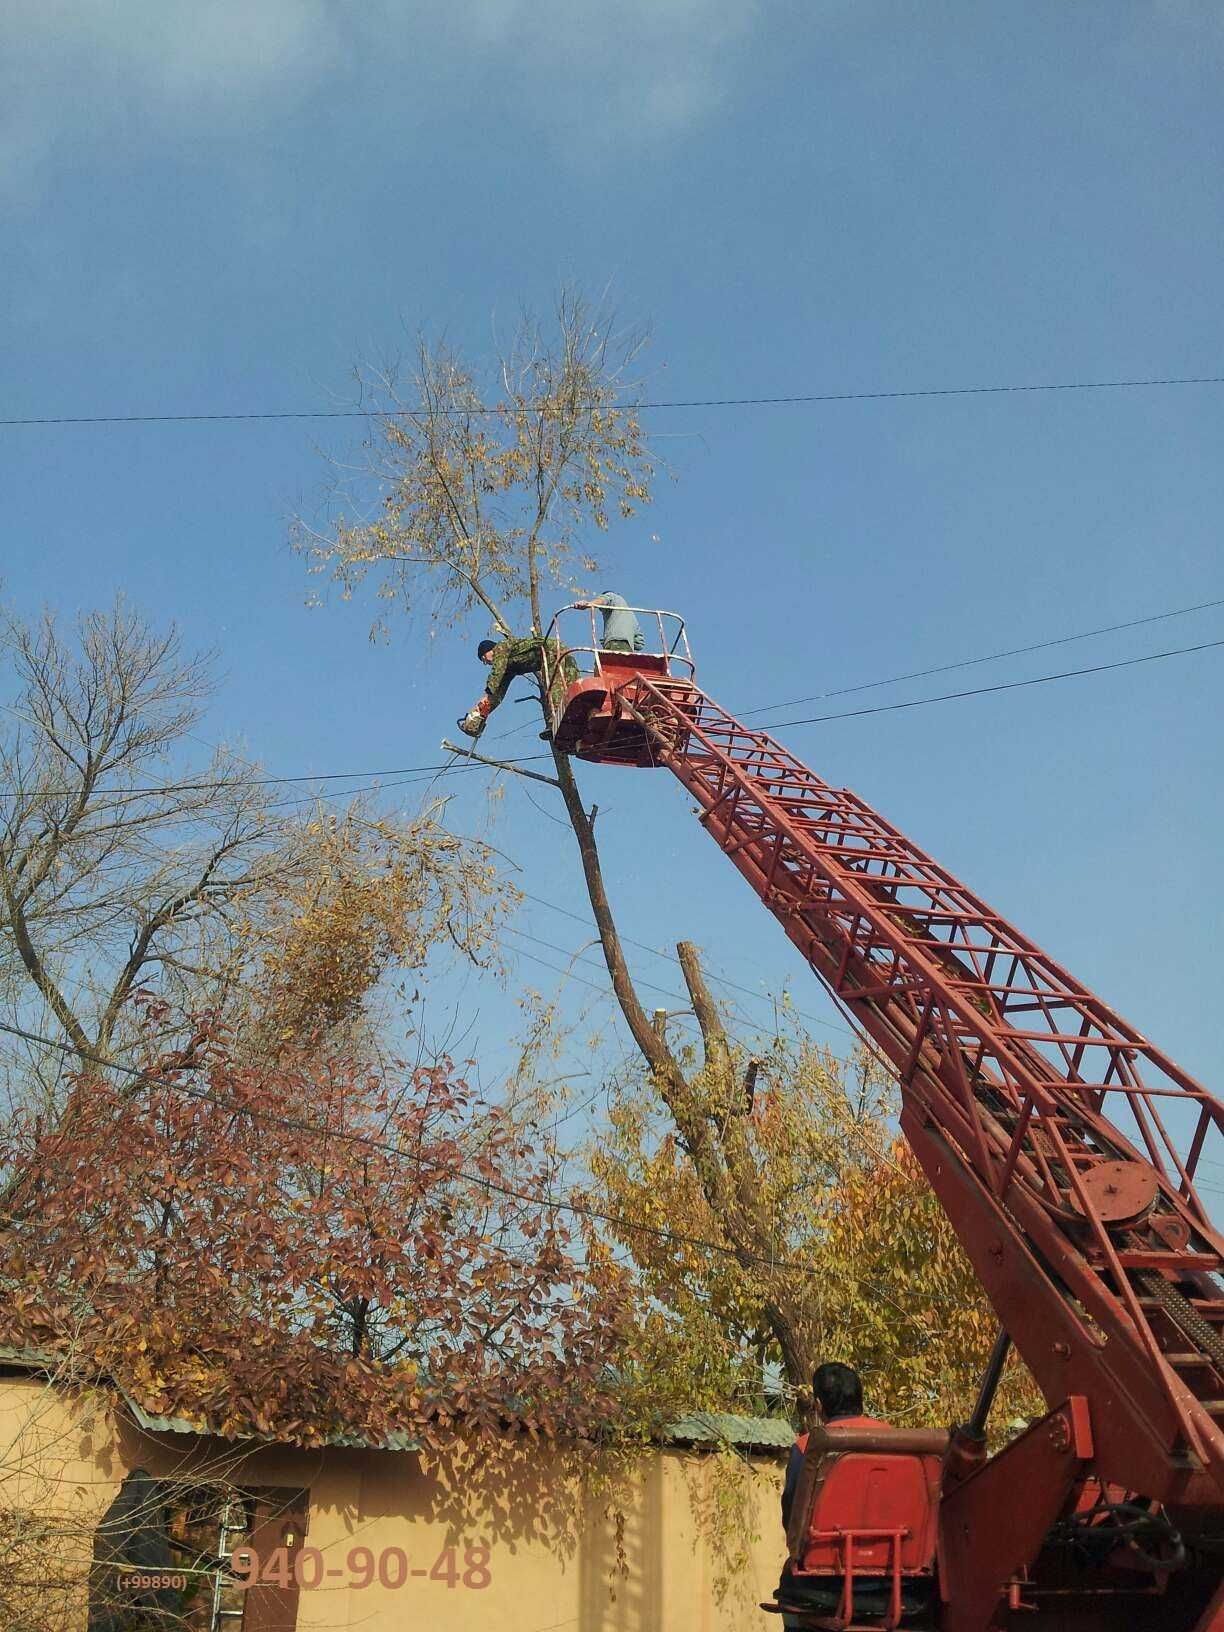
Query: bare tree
x,y
474,494
125,868
117,867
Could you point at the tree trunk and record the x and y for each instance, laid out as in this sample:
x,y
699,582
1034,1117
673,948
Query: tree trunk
x,y
717,1146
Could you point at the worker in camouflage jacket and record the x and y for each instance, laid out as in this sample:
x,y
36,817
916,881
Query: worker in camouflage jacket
x,y
507,659
514,655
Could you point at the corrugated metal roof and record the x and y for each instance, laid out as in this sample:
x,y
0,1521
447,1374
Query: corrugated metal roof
x,y
720,1427
184,1425
29,1359
169,1425
696,1428
36,1360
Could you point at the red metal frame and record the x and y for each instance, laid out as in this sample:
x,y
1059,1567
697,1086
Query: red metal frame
x,y
586,720
978,1555
1006,1063
844,1517
847,1540
1104,1275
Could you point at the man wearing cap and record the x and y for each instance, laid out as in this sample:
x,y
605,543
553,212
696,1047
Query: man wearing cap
x,y
509,658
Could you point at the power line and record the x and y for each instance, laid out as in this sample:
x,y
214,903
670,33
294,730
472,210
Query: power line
x,y
479,410
448,768
882,708
1007,685
578,957
670,957
546,1203
381,786
603,991
990,657
592,963
861,1036
568,974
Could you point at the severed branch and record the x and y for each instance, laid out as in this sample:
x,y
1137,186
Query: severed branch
x,y
497,764
750,1082
714,1038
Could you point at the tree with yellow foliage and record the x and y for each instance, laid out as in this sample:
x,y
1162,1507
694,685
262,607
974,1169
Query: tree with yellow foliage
x,y
476,489
856,1247
367,896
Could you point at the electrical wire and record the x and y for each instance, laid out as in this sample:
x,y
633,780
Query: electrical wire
x,y
553,1204
408,773
381,786
447,768
578,957
796,400
602,991
861,1036
670,957
990,657
435,771
451,768
480,1180
1007,685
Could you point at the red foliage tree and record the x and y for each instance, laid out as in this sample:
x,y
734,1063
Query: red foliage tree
x,y
307,1250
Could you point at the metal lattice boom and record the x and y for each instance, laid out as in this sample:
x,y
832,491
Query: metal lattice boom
x,y
1094,1247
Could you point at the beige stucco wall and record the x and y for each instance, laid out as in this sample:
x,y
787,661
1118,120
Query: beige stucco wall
x,y
553,1552
60,1465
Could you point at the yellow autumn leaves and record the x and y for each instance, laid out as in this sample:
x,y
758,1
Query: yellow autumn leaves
x,y
856,1252
365,898
472,493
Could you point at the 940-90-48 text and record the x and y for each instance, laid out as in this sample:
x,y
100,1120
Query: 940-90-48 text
x,y
362,1567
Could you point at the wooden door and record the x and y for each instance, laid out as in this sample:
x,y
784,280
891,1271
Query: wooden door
x,y
277,1535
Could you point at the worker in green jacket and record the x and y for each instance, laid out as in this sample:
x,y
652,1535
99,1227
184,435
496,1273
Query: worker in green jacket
x,y
508,659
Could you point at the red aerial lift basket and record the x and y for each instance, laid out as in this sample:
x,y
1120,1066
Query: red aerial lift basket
x,y
583,681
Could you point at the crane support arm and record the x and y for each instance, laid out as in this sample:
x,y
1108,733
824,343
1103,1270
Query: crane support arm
x,y
1092,1242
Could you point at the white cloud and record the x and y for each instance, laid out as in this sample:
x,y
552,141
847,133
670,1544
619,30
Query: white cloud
x,y
224,48
78,71
167,50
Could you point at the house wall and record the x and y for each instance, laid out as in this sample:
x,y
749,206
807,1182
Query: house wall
x,y
60,1466
638,1553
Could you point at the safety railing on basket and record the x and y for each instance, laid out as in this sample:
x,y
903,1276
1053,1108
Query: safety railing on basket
x,y
569,658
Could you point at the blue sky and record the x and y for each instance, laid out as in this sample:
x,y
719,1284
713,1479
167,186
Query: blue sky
x,y
221,208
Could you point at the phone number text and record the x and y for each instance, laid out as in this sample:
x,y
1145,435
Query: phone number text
x,y
362,1567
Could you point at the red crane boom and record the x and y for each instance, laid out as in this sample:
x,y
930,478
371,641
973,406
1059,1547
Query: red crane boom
x,y
1092,1243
